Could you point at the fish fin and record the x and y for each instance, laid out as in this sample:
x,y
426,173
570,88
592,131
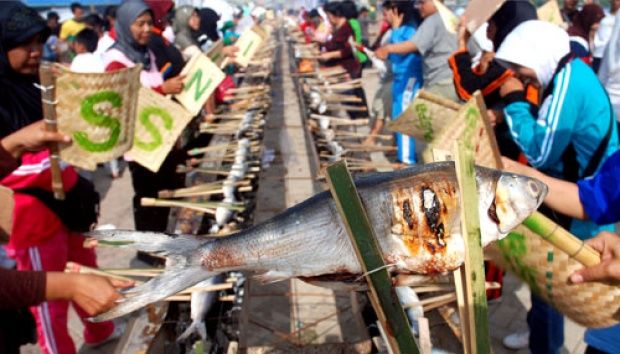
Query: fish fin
x,y
273,276
154,242
198,327
168,283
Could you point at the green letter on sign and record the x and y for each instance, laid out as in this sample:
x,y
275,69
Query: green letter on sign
x,y
144,117
89,114
197,78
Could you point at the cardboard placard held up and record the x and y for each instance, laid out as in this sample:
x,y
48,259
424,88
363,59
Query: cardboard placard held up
x,y
159,123
425,117
248,44
215,53
7,204
480,11
550,12
472,126
98,112
447,16
202,78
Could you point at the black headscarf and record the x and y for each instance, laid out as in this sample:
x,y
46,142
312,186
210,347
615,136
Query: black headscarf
x,y
511,14
20,100
126,14
208,23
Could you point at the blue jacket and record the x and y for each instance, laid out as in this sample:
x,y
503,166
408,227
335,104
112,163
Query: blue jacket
x,y
577,111
600,197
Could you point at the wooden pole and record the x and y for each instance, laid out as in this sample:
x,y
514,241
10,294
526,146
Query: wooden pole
x,y
382,295
472,271
48,98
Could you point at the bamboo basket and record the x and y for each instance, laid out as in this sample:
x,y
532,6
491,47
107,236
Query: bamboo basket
x,y
543,266
546,269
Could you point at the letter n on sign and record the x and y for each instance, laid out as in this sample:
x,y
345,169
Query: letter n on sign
x,y
159,123
202,78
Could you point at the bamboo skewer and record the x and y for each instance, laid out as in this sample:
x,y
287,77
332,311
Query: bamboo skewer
x,y
205,207
48,98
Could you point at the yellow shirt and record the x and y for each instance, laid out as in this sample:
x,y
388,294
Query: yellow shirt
x,y
70,28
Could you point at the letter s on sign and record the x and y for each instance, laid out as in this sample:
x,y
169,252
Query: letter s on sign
x,y
100,119
145,120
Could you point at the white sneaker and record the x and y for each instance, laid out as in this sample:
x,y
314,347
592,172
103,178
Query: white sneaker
x,y
517,340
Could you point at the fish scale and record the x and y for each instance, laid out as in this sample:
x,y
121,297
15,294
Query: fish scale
x,y
309,240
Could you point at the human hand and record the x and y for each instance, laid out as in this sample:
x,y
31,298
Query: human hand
x,y
608,245
93,293
230,51
495,116
463,34
173,85
382,52
511,85
33,137
96,294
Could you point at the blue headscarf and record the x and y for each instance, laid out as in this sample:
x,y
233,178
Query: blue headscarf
x,y
126,14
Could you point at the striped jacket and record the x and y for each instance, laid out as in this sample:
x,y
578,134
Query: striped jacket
x,y
577,111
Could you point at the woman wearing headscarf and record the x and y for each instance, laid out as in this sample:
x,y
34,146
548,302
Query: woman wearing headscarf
x,y
39,241
585,24
488,76
168,58
134,23
207,34
186,21
571,135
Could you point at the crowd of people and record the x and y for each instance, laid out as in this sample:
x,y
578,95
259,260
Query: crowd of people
x,y
553,96
46,233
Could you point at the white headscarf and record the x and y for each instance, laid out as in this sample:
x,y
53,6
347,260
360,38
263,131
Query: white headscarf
x,y
537,45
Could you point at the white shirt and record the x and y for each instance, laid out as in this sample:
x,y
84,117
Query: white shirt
x,y
601,38
105,42
87,63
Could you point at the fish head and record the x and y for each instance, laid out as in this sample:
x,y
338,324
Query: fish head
x,y
506,200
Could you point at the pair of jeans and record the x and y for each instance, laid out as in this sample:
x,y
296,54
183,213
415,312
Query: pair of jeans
x,y
546,328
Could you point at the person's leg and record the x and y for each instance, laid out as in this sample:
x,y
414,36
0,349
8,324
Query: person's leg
x,y
146,218
546,328
51,316
93,332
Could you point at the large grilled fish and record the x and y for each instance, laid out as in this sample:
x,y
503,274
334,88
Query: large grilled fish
x,y
414,213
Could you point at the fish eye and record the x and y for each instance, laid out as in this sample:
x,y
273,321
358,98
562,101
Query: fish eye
x,y
534,187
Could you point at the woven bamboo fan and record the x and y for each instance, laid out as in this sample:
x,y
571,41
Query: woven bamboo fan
x,y
546,270
98,111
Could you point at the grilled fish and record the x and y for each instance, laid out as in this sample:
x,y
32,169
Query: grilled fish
x,y
414,213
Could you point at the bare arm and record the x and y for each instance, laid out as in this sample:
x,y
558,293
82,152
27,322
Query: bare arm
x,y
405,47
563,196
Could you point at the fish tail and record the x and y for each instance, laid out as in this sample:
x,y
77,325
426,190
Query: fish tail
x,y
159,288
197,326
179,275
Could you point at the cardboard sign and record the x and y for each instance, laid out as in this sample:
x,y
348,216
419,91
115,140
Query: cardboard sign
x,y
448,17
480,11
7,204
159,123
98,112
550,12
425,117
472,126
248,44
215,53
202,79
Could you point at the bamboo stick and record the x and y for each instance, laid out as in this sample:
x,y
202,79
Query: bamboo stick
x,y
48,98
562,239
